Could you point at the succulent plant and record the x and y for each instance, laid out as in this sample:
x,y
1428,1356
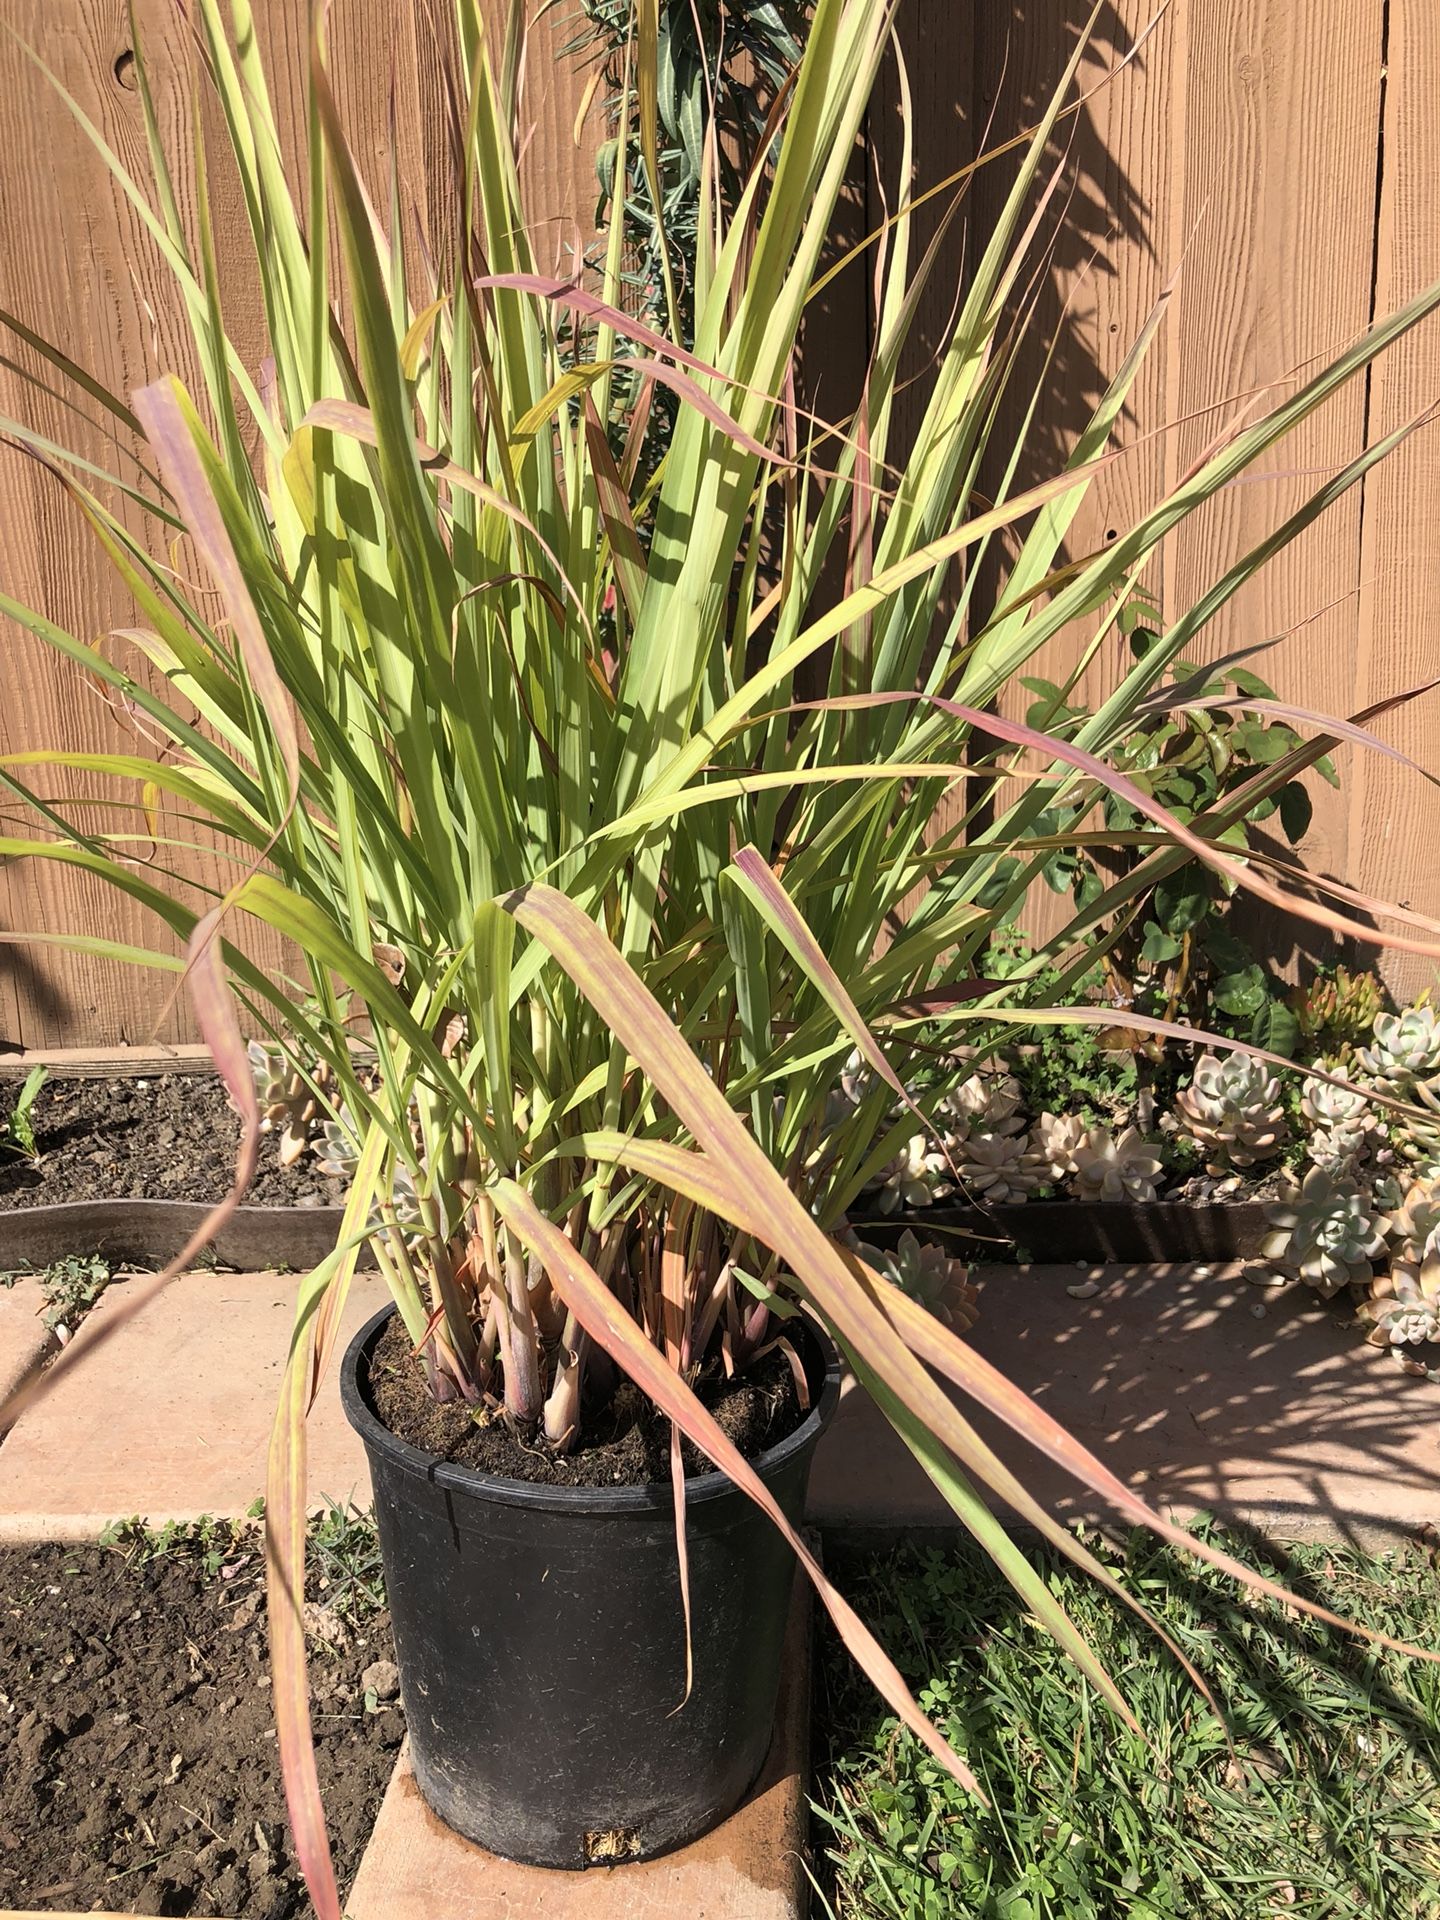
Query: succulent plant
x,y
1056,1137
857,1080
1403,1305
288,1105
1232,1109
1406,1050
984,1103
1343,1122
339,1155
999,1169
918,1176
1412,1221
1416,1136
1116,1167
1343,1005
1325,1232
928,1274
1326,1105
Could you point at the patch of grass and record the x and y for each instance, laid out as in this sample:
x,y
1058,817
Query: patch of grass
x,y
345,1560
213,1542
344,1572
1329,1806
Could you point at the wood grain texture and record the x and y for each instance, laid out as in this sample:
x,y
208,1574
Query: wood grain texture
x,y
81,271
1112,253
1247,141
1281,130
1394,816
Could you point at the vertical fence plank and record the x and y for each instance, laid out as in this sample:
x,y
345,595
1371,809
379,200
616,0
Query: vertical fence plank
x,y
80,270
1114,250
1395,816
1281,130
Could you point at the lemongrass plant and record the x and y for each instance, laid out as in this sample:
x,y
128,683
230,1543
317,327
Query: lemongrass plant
x,y
496,709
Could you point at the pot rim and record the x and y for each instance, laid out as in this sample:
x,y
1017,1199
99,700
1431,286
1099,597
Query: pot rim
x,y
654,1497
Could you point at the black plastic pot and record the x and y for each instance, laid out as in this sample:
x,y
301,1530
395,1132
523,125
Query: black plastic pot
x,y
540,1638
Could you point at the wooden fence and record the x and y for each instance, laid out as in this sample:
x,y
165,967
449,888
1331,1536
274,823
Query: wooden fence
x,y
1284,154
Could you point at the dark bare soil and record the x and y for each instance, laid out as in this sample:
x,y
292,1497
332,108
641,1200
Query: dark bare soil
x,y
138,1767
163,1137
627,1440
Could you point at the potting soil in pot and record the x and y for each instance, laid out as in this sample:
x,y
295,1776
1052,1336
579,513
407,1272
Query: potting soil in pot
x,y
626,1440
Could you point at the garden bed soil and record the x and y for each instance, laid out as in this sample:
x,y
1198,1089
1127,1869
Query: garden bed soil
x,y
121,1157
168,1136
627,1440
1057,1231
138,1764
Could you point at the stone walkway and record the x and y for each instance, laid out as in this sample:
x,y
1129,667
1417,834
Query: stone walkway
x,y
1203,1390
172,1419
24,1343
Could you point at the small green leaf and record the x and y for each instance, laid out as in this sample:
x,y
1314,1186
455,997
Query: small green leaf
x,y
19,1132
1276,1029
1296,812
1158,947
1242,995
1182,901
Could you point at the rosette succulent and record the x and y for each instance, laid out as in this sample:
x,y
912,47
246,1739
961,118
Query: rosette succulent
x,y
925,1271
1056,1138
1417,1135
288,1105
1341,1119
1325,1233
1406,1049
985,1103
1413,1223
1116,1167
1403,1307
918,1176
999,1168
1232,1109
339,1154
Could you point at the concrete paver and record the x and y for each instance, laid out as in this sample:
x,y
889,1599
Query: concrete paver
x,y
24,1342
172,1419
1201,1389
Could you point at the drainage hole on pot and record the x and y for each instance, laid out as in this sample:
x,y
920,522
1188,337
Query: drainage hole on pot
x,y
613,1843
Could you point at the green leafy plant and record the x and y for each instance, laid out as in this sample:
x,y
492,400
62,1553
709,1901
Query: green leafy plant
x,y
345,1556
71,1287
718,69
212,1541
1204,737
507,733
17,1130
